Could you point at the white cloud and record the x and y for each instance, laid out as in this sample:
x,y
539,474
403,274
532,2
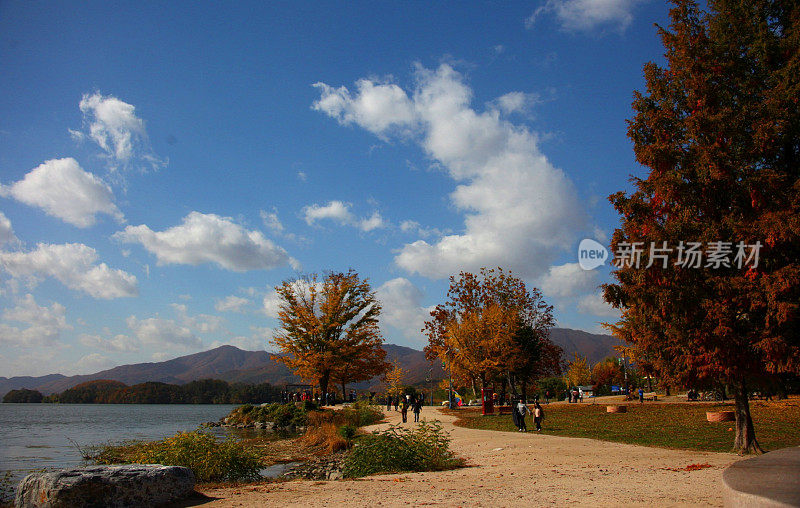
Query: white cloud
x,y
515,102
271,221
200,323
595,305
116,129
302,176
6,231
42,326
272,304
375,221
72,264
339,212
118,343
64,190
562,281
401,307
336,211
161,356
232,303
411,226
208,238
375,107
92,363
163,332
520,211
587,15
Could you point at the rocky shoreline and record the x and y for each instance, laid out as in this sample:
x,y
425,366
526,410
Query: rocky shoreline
x,y
323,468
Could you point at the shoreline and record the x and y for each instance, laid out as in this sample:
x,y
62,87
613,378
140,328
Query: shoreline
x,y
505,468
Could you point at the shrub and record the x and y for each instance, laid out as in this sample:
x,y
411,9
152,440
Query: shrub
x,y
284,416
396,449
208,458
325,438
348,432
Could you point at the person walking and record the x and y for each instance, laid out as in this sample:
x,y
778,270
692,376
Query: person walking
x,y
641,396
538,416
396,402
404,409
515,416
522,410
388,402
417,407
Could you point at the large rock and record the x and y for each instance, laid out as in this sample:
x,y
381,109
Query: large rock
x,y
134,485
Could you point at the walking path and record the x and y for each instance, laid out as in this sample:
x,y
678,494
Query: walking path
x,y
511,469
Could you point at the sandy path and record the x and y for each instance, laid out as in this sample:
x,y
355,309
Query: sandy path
x,y
511,469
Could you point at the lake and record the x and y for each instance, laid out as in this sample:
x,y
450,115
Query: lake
x,y
36,436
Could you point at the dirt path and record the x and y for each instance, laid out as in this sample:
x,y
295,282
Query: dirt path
x,y
509,469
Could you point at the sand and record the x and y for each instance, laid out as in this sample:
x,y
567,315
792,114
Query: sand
x,y
512,469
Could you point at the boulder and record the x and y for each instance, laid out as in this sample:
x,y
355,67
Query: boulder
x,y
133,485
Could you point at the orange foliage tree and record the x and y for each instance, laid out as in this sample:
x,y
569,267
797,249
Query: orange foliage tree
x,y
330,329
491,326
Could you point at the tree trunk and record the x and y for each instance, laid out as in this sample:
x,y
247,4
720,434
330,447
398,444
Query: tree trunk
x,y
503,385
323,381
745,441
525,391
666,391
649,384
475,394
344,397
511,383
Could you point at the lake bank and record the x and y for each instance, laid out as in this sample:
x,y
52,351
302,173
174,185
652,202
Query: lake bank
x,y
40,436
507,468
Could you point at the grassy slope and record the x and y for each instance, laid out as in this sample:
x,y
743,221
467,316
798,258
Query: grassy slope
x,y
664,425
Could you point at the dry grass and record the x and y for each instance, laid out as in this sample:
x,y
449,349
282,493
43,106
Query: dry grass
x,y
324,438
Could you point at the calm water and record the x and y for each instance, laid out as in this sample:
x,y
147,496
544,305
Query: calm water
x,y
36,436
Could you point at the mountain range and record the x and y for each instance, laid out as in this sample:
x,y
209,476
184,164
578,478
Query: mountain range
x,y
232,364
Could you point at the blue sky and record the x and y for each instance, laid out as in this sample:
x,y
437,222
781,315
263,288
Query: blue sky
x,y
164,165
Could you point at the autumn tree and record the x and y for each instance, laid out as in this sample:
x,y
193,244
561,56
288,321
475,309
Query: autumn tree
x,y
578,371
491,326
360,363
329,328
718,129
394,377
607,373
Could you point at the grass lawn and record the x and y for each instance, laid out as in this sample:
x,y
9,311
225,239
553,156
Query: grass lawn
x,y
680,425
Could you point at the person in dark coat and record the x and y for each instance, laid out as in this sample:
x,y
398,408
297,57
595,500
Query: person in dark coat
x,y
417,407
404,409
515,416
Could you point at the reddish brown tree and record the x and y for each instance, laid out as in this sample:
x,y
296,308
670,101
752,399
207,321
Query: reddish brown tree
x,y
718,128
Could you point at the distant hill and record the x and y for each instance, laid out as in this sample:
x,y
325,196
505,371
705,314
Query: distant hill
x,y
232,364
593,346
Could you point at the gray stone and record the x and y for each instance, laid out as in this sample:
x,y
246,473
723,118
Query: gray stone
x,y
769,480
133,485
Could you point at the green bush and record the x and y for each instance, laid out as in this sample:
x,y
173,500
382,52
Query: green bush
x,y
208,458
396,449
347,432
284,416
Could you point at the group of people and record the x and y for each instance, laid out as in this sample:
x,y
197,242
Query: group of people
x,y
519,409
574,395
404,403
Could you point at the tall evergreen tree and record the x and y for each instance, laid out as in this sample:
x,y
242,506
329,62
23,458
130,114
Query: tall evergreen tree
x,y
719,130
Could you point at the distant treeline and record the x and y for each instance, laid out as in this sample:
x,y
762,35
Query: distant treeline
x,y
204,391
